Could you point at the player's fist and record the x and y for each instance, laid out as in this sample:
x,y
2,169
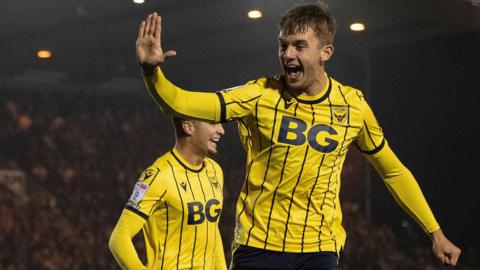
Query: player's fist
x,y
148,46
445,250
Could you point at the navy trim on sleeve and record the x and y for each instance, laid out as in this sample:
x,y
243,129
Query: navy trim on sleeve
x,y
136,211
223,108
376,150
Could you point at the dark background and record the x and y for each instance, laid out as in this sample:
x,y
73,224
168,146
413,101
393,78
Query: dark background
x,y
418,63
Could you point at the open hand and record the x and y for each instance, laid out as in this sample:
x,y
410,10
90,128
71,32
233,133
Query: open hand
x,y
148,46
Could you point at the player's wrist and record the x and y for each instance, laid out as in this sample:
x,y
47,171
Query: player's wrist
x,y
148,70
437,235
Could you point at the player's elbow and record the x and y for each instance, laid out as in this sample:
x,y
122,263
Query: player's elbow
x,y
113,242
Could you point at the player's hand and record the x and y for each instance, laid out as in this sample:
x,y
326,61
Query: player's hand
x,y
148,45
445,250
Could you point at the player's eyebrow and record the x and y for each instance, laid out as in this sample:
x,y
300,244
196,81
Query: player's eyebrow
x,y
295,42
300,42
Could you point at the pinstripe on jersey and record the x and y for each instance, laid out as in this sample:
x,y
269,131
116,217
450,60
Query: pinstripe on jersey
x,y
296,146
182,206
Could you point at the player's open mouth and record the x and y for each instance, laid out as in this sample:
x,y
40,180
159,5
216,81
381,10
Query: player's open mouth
x,y
214,141
293,71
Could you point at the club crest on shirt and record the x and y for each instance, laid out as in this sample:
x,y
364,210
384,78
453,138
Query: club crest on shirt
x,y
340,113
213,180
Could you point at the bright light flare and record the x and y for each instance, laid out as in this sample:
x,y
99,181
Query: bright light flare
x,y
44,54
357,27
138,1
255,14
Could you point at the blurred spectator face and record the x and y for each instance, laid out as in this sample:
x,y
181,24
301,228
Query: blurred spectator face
x,y
24,122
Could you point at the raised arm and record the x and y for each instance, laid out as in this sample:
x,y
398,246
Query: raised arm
x,y
148,46
170,98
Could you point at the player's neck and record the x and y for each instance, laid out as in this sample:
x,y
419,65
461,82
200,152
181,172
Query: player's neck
x,y
189,154
317,87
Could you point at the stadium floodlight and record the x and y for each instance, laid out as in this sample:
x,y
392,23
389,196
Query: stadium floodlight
x,y
357,27
254,14
43,54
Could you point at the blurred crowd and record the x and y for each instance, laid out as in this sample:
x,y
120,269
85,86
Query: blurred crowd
x,y
81,153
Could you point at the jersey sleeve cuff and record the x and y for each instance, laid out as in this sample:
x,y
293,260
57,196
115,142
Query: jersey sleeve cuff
x,y
374,151
223,109
136,211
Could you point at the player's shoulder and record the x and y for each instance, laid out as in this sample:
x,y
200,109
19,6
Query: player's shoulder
x,y
211,164
156,169
268,82
351,94
162,162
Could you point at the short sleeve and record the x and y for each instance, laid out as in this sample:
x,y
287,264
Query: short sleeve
x,y
147,193
370,140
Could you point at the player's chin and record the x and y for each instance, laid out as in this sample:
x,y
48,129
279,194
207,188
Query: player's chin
x,y
212,150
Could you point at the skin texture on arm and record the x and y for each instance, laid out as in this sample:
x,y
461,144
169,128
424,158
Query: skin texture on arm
x,y
121,244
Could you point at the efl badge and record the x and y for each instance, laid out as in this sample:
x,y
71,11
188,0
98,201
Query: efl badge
x,y
340,113
138,192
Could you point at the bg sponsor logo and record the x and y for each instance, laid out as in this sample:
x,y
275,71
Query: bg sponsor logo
x,y
197,215
294,131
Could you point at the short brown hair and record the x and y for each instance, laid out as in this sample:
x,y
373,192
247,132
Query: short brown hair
x,y
317,17
178,128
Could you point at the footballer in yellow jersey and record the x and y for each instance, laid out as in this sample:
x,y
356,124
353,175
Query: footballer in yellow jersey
x,y
177,202
296,129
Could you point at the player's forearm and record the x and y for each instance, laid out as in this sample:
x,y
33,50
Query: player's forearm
x,y
121,244
123,251
405,189
176,101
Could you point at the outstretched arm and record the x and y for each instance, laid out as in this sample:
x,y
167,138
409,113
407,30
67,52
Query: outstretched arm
x,y
407,193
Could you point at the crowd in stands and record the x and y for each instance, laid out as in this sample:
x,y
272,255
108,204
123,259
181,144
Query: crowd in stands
x,y
81,154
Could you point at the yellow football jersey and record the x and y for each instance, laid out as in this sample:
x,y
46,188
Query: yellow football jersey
x,y
182,206
296,146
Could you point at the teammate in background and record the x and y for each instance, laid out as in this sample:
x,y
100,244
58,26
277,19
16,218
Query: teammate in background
x,y
296,128
177,202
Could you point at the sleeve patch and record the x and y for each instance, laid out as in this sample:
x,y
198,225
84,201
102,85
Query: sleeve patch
x,y
138,192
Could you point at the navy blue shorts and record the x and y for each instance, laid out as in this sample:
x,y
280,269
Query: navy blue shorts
x,y
259,259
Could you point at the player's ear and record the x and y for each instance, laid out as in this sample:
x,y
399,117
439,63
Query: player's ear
x,y
327,52
188,127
